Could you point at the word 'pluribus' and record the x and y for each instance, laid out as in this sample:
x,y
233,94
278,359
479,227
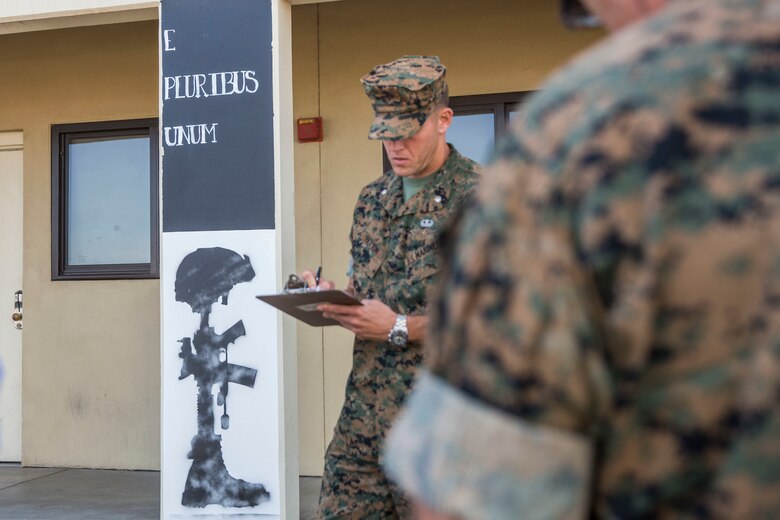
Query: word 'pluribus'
x,y
212,84
190,134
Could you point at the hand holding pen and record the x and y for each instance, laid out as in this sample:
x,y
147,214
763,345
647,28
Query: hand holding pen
x,y
314,280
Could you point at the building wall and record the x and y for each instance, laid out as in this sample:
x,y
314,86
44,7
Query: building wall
x,y
488,46
308,237
91,356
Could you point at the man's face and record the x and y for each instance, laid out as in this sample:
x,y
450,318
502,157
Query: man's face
x,y
421,154
619,13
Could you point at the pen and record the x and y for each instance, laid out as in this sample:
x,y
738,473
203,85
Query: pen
x,y
317,277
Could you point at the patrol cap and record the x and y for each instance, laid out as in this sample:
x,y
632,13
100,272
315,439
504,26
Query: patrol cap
x,y
403,94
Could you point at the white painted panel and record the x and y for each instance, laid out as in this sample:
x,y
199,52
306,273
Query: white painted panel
x,y
284,182
251,445
10,282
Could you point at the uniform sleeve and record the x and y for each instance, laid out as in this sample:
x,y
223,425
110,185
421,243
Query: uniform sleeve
x,y
502,423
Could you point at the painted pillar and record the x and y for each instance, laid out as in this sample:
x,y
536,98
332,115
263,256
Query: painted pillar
x,y
229,438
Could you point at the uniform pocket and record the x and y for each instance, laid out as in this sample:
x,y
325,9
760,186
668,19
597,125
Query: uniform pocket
x,y
422,254
409,285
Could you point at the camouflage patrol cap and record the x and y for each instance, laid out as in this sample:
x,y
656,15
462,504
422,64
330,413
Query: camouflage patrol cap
x,y
403,93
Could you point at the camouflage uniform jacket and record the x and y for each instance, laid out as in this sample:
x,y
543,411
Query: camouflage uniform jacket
x,y
607,339
395,255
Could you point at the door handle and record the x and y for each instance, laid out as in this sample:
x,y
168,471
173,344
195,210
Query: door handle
x,y
17,315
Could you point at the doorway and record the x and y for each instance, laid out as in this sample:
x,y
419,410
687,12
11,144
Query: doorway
x,y
11,199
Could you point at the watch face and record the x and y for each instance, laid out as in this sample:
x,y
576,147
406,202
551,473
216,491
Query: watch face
x,y
399,335
398,339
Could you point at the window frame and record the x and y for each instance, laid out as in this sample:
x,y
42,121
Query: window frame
x,y
499,104
61,137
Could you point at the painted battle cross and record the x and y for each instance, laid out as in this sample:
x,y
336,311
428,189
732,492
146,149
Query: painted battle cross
x,y
204,277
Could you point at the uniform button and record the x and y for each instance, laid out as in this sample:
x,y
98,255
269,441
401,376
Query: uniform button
x,y
437,198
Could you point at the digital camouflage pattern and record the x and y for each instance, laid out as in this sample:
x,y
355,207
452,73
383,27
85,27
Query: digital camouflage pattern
x,y
403,94
395,252
617,281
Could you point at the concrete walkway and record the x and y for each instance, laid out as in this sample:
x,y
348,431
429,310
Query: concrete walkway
x,y
85,494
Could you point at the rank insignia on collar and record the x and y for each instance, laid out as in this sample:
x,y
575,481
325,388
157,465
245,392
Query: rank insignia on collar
x,y
426,223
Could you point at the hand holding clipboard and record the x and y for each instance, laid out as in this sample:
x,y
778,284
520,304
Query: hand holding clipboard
x,y
300,301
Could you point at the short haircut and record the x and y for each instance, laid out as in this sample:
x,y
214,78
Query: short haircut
x,y
444,97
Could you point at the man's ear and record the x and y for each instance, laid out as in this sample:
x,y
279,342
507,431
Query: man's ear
x,y
444,119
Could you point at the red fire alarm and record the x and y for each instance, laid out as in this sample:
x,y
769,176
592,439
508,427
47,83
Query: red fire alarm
x,y
310,130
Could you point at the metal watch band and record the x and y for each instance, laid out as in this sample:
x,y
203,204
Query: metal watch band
x,y
399,334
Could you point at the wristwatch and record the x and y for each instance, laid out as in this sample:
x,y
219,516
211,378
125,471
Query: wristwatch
x,y
399,334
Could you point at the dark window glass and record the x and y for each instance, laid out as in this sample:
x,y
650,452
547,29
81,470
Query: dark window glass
x,y
104,186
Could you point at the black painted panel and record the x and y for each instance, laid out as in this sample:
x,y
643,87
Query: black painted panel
x,y
217,91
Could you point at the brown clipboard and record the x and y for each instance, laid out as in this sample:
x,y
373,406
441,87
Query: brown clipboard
x,y
302,305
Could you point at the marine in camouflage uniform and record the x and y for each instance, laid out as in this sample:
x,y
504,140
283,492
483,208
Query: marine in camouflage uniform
x,y
607,339
395,260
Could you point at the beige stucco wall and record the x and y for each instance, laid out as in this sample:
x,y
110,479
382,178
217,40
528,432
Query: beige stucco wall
x,y
311,413
488,46
91,358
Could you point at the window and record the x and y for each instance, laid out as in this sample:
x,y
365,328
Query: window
x,y
104,200
478,123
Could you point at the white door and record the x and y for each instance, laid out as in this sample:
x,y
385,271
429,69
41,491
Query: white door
x,y
10,282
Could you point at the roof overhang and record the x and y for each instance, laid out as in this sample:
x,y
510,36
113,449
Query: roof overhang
x,y
41,15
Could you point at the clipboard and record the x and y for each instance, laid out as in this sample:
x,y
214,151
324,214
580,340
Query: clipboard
x,y
302,304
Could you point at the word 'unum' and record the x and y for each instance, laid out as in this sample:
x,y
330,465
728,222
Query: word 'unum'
x,y
203,133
